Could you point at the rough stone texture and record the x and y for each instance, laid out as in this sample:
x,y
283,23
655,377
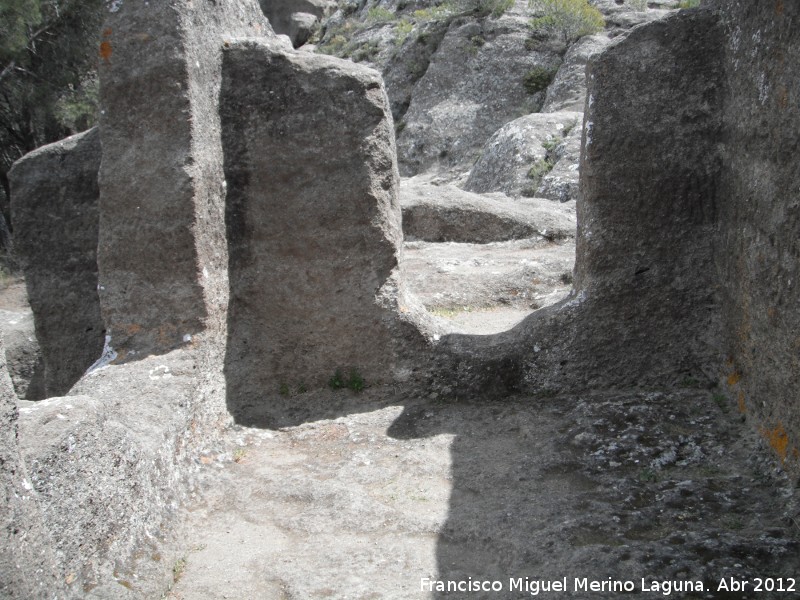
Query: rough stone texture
x,y
162,251
568,90
517,147
519,274
644,307
108,466
473,85
758,245
28,569
408,65
562,182
313,222
445,213
54,203
23,355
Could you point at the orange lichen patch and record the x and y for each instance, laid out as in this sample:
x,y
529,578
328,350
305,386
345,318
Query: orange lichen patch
x,y
166,335
734,378
742,403
778,440
105,50
132,329
107,32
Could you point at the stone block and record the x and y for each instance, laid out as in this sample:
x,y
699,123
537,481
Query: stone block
x,y
313,221
162,254
54,196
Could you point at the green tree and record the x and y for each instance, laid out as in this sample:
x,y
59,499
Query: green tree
x,y
48,81
570,19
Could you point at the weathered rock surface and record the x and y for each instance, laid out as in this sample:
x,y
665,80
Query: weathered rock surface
x,y
23,355
162,252
758,241
517,157
54,197
108,468
520,274
408,64
474,84
561,183
567,92
313,225
445,213
28,569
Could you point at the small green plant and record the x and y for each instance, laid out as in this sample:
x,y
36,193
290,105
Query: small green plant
x,y
301,388
404,28
337,381
435,13
688,3
355,382
538,78
570,19
648,476
722,402
239,454
178,569
283,390
733,522
638,5
496,8
690,382
334,45
551,144
539,169
476,43
378,14
366,51
569,127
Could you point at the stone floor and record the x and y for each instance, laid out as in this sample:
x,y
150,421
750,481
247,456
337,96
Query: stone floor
x,y
362,497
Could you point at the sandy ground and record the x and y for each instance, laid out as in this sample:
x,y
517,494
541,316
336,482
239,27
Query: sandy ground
x,y
362,497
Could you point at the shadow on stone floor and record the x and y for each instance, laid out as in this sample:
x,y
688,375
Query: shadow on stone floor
x,y
634,487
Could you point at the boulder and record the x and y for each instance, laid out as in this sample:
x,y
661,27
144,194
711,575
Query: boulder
x,y
301,26
313,223
54,197
517,157
296,18
445,213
